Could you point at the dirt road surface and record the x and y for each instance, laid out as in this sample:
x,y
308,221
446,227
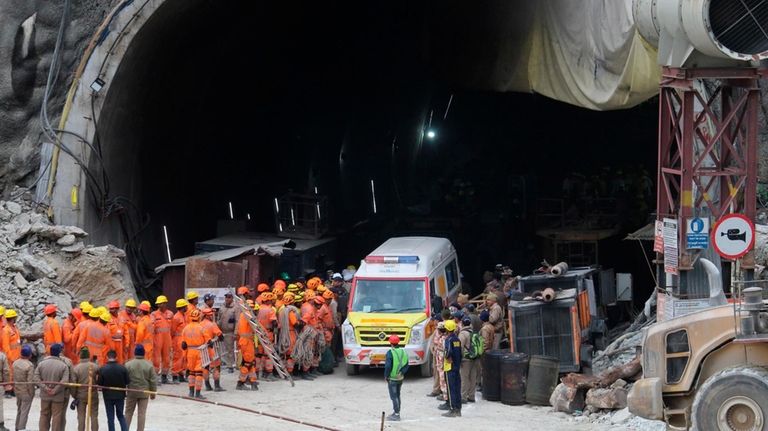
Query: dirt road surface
x,y
337,401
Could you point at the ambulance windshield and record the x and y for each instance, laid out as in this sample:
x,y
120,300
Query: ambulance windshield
x,y
389,296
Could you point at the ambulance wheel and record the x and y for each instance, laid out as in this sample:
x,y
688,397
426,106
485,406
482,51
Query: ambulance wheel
x,y
353,370
426,369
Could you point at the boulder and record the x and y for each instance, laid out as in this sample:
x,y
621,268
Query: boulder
x,y
609,399
567,399
13,208
66,240
38,267
621,416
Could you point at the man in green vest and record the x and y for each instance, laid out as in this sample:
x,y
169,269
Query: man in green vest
x,y
394,373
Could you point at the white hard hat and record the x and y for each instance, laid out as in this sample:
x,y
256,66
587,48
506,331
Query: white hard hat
x,y
336,275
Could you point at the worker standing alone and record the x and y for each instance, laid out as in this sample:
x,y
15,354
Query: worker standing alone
x,y
162,318
451,367
395,367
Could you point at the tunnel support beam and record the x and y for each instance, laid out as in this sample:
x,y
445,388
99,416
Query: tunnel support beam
x,y
707,148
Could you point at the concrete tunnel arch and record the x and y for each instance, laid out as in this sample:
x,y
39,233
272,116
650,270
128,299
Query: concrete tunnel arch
x,y
115,66
123,113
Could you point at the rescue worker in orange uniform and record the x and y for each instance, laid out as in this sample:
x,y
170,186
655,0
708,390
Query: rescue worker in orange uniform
x,y
2,318
261,289
129,320
212,332
192,300
145,330
193,338
163,339
51,328
289,325
68,334
242,292
247,346
177,327
309,317
326,317
267,317
95,336
11,341
117,333
278,292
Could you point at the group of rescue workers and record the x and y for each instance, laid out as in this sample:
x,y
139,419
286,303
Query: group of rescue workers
x,y
300,319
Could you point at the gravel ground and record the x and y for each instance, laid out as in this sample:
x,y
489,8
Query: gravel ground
x,y
337,401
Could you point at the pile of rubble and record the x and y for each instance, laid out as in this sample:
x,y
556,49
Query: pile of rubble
x,y
43,263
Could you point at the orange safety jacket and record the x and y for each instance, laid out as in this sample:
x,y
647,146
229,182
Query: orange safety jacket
x,y
145,334
70,342
96,338
11,342
51,333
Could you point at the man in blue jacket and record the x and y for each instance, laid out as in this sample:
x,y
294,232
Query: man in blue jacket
x,y
394,372
452,367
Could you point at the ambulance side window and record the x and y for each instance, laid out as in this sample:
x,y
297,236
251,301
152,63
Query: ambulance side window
x,y
452,274
436,302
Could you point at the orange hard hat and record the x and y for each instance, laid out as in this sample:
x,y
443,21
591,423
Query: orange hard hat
x,y
394,339
280,283
144,307
309,295
77,313
262,287
242,290
312,284
113,304
288,298
50,308
319,300
195,315
318,280
328,294
278,290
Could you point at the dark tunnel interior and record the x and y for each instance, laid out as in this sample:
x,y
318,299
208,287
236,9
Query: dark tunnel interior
x,y
245,102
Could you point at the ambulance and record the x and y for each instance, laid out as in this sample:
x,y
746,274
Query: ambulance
x,y
394,292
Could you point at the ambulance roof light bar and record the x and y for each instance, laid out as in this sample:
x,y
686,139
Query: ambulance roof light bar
x,y
392,259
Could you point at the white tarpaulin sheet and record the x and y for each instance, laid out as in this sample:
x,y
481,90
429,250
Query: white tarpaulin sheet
x,y
584,52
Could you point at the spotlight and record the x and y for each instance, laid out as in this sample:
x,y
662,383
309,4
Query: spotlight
x,y
431,134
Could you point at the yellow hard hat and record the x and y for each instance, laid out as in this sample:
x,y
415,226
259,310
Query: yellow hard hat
x,y
450,325
256,306
95,313
161,300
181,302
102,310
10,313
192,295
2,310
106,317
130,303
86,307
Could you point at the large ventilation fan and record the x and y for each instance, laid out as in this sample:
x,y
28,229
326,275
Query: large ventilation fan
x,y
740,25
690,33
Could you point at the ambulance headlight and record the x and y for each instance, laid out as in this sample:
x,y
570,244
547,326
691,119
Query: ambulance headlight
x,y
348,333
417,333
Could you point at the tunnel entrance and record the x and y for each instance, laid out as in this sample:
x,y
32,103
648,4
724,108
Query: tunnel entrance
x,y
244,103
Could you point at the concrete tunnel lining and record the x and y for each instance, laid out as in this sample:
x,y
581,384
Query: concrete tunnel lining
x,y
155,35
